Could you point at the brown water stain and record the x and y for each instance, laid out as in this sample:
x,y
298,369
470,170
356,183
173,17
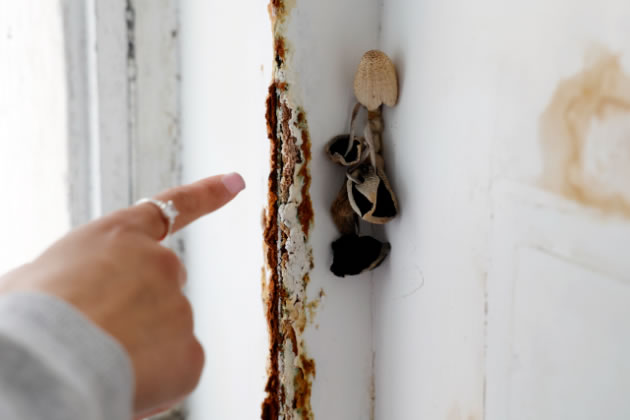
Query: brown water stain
x,y
585,137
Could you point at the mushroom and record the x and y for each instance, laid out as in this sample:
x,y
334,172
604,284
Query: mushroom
x,y
371,195
353,254
340,150
366,192
375,82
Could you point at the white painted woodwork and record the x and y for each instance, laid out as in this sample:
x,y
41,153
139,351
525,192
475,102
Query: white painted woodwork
x,y
133,60
156,145
79,50
113,102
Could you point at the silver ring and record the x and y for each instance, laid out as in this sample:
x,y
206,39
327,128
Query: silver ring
x,y
169,212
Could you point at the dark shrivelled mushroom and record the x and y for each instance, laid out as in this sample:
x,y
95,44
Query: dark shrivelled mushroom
x,y
340,151
353,254
370,194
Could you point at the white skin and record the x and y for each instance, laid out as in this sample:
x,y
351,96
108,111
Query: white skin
x,y
116,273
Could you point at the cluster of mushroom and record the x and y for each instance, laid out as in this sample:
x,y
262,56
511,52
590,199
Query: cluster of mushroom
x,y
366,193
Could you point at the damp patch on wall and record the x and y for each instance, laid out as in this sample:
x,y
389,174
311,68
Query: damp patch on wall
x,y
585,137
288,220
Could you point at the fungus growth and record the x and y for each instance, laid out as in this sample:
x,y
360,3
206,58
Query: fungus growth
x,y
366,193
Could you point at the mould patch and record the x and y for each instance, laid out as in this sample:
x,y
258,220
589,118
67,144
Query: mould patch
x,y
288,220
585,137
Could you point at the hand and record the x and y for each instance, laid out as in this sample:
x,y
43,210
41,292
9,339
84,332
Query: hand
x,y
115,272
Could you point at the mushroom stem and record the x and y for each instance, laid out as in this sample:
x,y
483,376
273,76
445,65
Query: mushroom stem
x,y
342,213
355,113
375,120
369,139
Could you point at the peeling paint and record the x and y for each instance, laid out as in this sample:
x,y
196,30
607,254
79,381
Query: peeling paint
x,y
288,221
271,289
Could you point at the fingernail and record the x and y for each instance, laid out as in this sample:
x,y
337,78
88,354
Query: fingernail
x,y
233,182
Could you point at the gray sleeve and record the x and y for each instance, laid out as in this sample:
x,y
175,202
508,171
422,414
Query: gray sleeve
x,y
55,364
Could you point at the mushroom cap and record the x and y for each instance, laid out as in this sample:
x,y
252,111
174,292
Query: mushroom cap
x,y
375,82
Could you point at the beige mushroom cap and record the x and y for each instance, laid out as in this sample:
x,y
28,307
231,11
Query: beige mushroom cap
x,y
375,82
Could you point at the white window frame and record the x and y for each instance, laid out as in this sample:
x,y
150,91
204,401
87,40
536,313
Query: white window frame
x,y
123,95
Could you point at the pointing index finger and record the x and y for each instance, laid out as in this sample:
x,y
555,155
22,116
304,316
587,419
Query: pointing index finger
x,y
192,201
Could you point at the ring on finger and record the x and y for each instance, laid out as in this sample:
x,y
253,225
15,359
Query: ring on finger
x,y
168,210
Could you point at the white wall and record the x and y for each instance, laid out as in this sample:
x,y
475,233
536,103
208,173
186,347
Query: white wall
x,y
34,207
504,297
226,59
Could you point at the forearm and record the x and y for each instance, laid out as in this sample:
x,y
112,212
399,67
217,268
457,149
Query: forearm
x,y
57,365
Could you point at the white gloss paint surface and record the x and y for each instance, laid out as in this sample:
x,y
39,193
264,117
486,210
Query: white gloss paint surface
x,y
226,70
34,207
476,228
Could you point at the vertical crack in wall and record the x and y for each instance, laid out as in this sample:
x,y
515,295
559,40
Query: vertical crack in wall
x,y
289,260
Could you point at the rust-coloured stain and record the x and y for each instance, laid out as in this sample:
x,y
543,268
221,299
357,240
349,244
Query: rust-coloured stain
x,y
585,137
305,210
270,407
279,9
289,151
289,383
303,387
280,51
